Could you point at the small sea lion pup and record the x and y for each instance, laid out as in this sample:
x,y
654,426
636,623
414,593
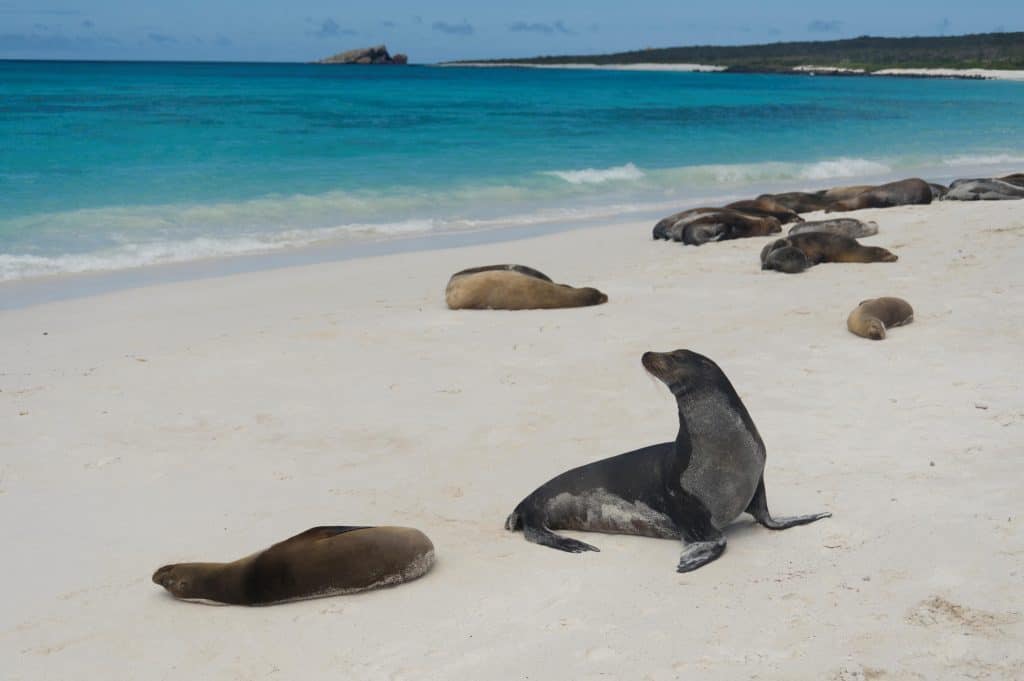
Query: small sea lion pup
x,y
699,226
797,252
851,227
872,317
901,193
690,489
322,561
514,287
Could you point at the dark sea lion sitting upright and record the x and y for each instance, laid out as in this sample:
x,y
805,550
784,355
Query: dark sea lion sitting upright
x,y
690,489
901,193
699,226
872,317
797,252
514,287
322,561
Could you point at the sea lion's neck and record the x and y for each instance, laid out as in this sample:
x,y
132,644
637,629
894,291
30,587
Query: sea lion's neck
x,y
222,582
683,441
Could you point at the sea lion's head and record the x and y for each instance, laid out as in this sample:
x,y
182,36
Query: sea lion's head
x,y
681,370
183,580
788,259
875,329
770,225
592,296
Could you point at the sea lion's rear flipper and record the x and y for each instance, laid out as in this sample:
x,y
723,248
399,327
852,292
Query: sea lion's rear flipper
x,y
545,537
759,509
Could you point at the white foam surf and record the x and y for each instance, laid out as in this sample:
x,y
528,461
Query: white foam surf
x,y
123,237
598,175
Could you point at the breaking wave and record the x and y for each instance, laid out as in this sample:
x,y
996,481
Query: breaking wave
x,y
598,175
121,237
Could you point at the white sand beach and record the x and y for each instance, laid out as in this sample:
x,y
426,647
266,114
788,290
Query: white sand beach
x,y
684,68
208,419
984,74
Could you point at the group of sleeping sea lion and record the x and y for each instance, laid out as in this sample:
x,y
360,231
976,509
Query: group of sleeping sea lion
x,y
688,489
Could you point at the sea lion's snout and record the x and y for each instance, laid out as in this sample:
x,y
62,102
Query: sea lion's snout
x,y
163,575
668,367
655,363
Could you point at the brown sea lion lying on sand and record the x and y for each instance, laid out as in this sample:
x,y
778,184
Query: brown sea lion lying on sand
x,y
901,193
700,225
843,193
801,202
764,205
514,287
798,252
872,317
322,561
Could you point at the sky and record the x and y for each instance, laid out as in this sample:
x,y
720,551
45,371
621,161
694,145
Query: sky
x,y
305,30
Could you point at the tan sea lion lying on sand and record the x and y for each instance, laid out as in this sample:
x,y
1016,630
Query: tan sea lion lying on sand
x,y
699,226
322,561
514,287
798,252
851,227
872,317
901,193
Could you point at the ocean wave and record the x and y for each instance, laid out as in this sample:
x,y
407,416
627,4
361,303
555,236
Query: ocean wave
x,y
598,175
981,160
122,237
843,167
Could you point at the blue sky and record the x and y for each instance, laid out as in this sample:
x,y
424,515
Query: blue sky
x,y
303,30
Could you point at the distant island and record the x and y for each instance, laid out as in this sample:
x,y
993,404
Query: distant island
x,y
376,55
855,56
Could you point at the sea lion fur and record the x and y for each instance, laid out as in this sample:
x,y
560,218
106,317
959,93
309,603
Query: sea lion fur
x,y
871,318
322,561
818,247
514,287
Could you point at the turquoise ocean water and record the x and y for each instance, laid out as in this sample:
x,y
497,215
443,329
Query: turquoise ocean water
x,y
106,166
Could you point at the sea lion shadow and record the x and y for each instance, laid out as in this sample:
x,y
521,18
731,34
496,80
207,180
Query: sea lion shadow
x,y
741,528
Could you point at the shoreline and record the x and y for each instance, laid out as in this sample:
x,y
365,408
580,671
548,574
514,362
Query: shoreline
x,y
46,288
802,70
206,419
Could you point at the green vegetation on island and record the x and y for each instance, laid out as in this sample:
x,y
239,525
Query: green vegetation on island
x,y
981,50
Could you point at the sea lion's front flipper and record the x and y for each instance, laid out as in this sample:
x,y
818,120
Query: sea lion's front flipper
x,y
759,509
545,537
699,553
702,541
